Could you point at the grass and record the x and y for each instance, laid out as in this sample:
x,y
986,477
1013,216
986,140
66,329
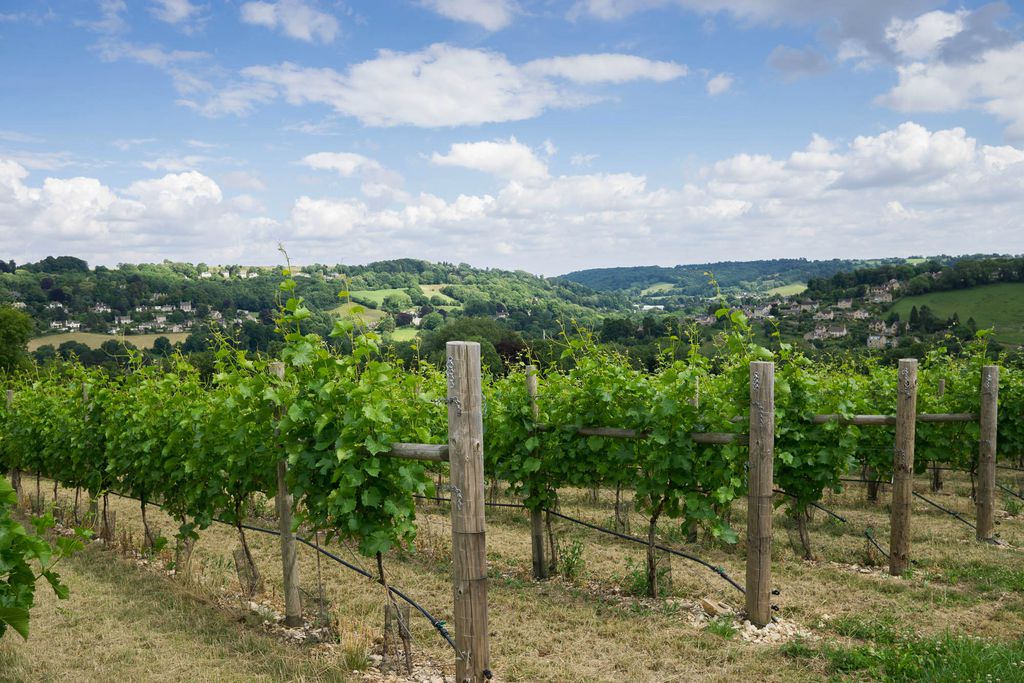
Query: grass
x,y
370,316
404,334
658,288
376,295
432,290
94,339
789,290
1000,306
124,624
958,616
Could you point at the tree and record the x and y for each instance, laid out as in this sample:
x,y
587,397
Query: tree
x,y
432,321
15,331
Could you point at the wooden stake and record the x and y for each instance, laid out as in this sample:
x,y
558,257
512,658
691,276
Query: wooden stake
x,y
289,556
986,500
759,495
15,472
903,467
940,391
540,565
469,545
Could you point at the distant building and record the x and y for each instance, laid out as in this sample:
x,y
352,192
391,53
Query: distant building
x,y
825,315
845,303
185,306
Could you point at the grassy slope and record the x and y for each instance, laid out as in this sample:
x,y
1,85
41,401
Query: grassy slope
x,y
94,340
371,316
587,628
658,288
404,334
375,295
1000,306
789,290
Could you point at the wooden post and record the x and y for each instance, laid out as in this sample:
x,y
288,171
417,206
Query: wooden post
x,y
289,556
903,467
469,545
759,492
987,451
936,485
15,472
540,565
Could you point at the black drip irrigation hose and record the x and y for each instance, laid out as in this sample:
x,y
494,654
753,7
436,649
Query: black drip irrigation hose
x,y
634,539
871,538
946,510
436,623
865,481
1010,491
820,507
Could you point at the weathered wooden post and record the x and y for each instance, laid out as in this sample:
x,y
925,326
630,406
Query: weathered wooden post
x,y
540,565
936,485
289,556
903,467
469,544
987,451
15,472
759,494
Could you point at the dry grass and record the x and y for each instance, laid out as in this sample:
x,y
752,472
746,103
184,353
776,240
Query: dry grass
x,y
585,629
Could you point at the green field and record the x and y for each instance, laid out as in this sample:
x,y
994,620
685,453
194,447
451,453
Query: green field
x,y
789,290
94,339
432,290
375,295
370,316
404,334
1000,306
658,288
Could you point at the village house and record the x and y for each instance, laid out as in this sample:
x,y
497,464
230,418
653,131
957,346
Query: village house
x,y
825,315
845,304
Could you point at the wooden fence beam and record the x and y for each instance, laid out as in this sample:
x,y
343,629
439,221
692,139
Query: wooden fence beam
x,y
418,451
759,492
289,555
540,565
987,451
469,545
903,467
15,472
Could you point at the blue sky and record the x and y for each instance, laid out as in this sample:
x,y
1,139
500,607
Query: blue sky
x,y
548,135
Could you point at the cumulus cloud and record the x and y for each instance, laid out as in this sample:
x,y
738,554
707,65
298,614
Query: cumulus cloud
x,y
994,82
504,158
441,85
176,215
295,18
904,190
923,36
492,15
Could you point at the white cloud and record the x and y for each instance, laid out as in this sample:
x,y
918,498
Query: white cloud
x,y
582,160
175,63
441,85
110,21
719,84
793,63
295,18
904,190
922,37
346,164
508,159
178,12
492,15
173,215
176,164
994,82
605,68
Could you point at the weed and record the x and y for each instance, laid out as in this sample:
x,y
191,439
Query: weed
x,y
570,559
722,626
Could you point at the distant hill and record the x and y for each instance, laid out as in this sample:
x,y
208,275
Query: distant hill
x,y
1000,306
732,276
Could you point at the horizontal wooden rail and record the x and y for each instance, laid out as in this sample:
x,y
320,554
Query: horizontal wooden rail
x,y
418,451
865,420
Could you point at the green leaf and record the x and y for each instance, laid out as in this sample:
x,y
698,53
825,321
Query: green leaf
x,y
16,618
